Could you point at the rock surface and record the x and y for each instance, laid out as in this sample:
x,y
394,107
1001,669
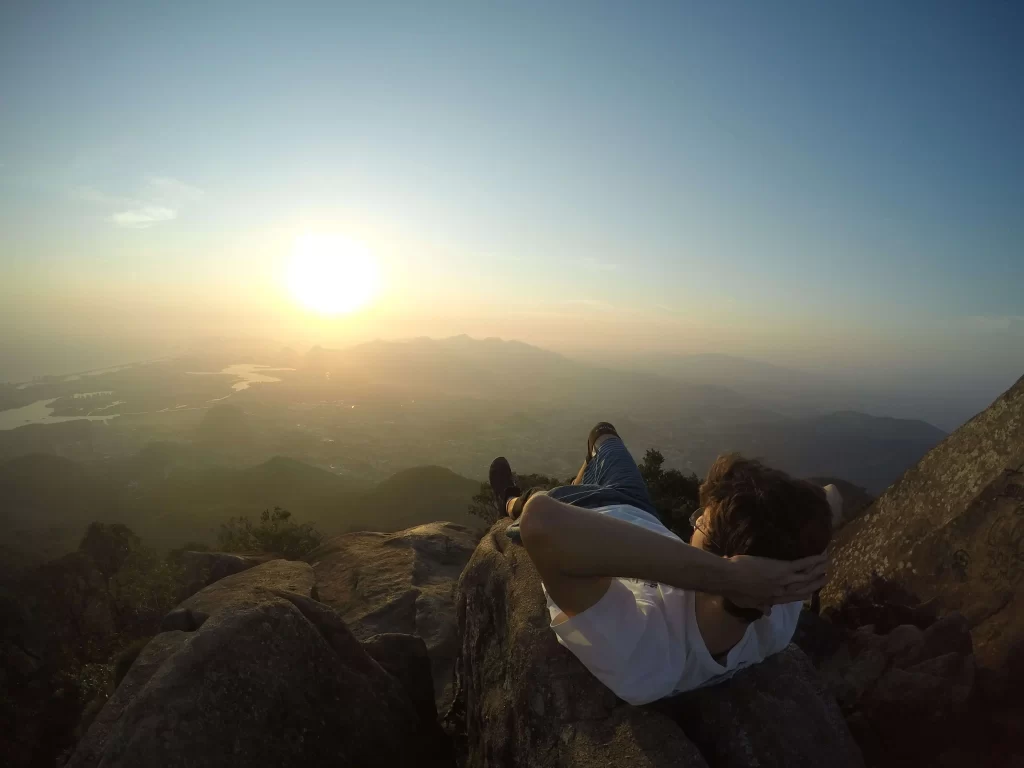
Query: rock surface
x,y
267,677
952,528
908,684
204,568
777,713
405,658
401,582
522,699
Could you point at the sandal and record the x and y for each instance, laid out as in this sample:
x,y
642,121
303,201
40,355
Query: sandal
x,y
600,429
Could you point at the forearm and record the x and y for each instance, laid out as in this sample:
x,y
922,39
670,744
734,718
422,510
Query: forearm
x,y
579,542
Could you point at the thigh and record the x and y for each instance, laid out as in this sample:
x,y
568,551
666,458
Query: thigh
x,y
596,496
588,496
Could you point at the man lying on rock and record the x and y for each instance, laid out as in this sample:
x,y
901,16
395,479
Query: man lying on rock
x,y
648,614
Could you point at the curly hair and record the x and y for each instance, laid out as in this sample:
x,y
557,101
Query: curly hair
x,y
752,509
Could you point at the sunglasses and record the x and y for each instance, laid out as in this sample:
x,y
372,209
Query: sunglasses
x,y
693,524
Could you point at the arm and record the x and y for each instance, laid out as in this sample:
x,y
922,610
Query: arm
x,y
578,552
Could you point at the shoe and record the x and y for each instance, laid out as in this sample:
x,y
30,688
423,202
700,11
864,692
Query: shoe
x,y
503,482
600,429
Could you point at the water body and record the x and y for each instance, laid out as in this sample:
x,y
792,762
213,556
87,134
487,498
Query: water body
x,y
247,372
40,412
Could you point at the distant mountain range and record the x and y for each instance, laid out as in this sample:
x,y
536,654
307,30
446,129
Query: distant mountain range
x,y
938,400
685,411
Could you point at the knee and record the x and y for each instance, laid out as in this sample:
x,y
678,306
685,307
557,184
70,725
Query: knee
x,y
538,519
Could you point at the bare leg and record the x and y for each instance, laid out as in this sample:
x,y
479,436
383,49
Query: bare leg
x,y
579,475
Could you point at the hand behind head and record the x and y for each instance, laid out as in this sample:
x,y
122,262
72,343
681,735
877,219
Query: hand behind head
x,y
759,581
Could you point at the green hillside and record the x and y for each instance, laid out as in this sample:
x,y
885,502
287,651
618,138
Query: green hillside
x,y
169,498
419,495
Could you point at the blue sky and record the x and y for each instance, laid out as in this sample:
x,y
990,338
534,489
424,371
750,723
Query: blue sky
x,y
791,181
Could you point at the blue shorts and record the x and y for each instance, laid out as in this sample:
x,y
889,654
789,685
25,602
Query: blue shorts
x,y
611,477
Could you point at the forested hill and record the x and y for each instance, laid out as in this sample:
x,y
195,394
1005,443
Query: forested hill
x,y
47,500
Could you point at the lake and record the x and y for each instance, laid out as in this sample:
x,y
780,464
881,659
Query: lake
x,y
248,373
40,411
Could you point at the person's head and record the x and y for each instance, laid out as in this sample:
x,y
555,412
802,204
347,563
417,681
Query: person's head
x,y
751,509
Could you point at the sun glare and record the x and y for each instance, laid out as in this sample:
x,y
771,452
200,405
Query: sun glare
x,y
332,274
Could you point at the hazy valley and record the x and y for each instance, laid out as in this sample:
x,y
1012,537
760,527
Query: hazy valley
x,y
335,436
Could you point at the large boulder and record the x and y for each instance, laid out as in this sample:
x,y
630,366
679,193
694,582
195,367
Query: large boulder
x,y
907,691
242,590
401,582
523,699
777,713
405,658
908,683
952,529
263,675
201,569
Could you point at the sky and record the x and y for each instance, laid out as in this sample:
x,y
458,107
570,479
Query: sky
x,y
833,186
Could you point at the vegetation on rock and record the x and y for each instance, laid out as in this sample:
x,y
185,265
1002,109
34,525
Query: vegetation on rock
x,y
276,532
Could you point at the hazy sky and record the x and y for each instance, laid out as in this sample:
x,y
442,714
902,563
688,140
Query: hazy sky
x,y
836,184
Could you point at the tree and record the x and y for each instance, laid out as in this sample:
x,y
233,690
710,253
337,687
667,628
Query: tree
x,y
675,495
276,533
143,590
109,546
651,466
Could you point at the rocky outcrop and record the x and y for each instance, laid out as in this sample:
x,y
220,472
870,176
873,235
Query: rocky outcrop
x,y
203,568
401,582
908,684
405,658
258,673
952,529
522,699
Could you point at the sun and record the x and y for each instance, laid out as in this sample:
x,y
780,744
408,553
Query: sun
x,y
332,274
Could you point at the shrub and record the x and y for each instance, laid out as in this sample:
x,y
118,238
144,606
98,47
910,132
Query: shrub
x,y
675,496
276,533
